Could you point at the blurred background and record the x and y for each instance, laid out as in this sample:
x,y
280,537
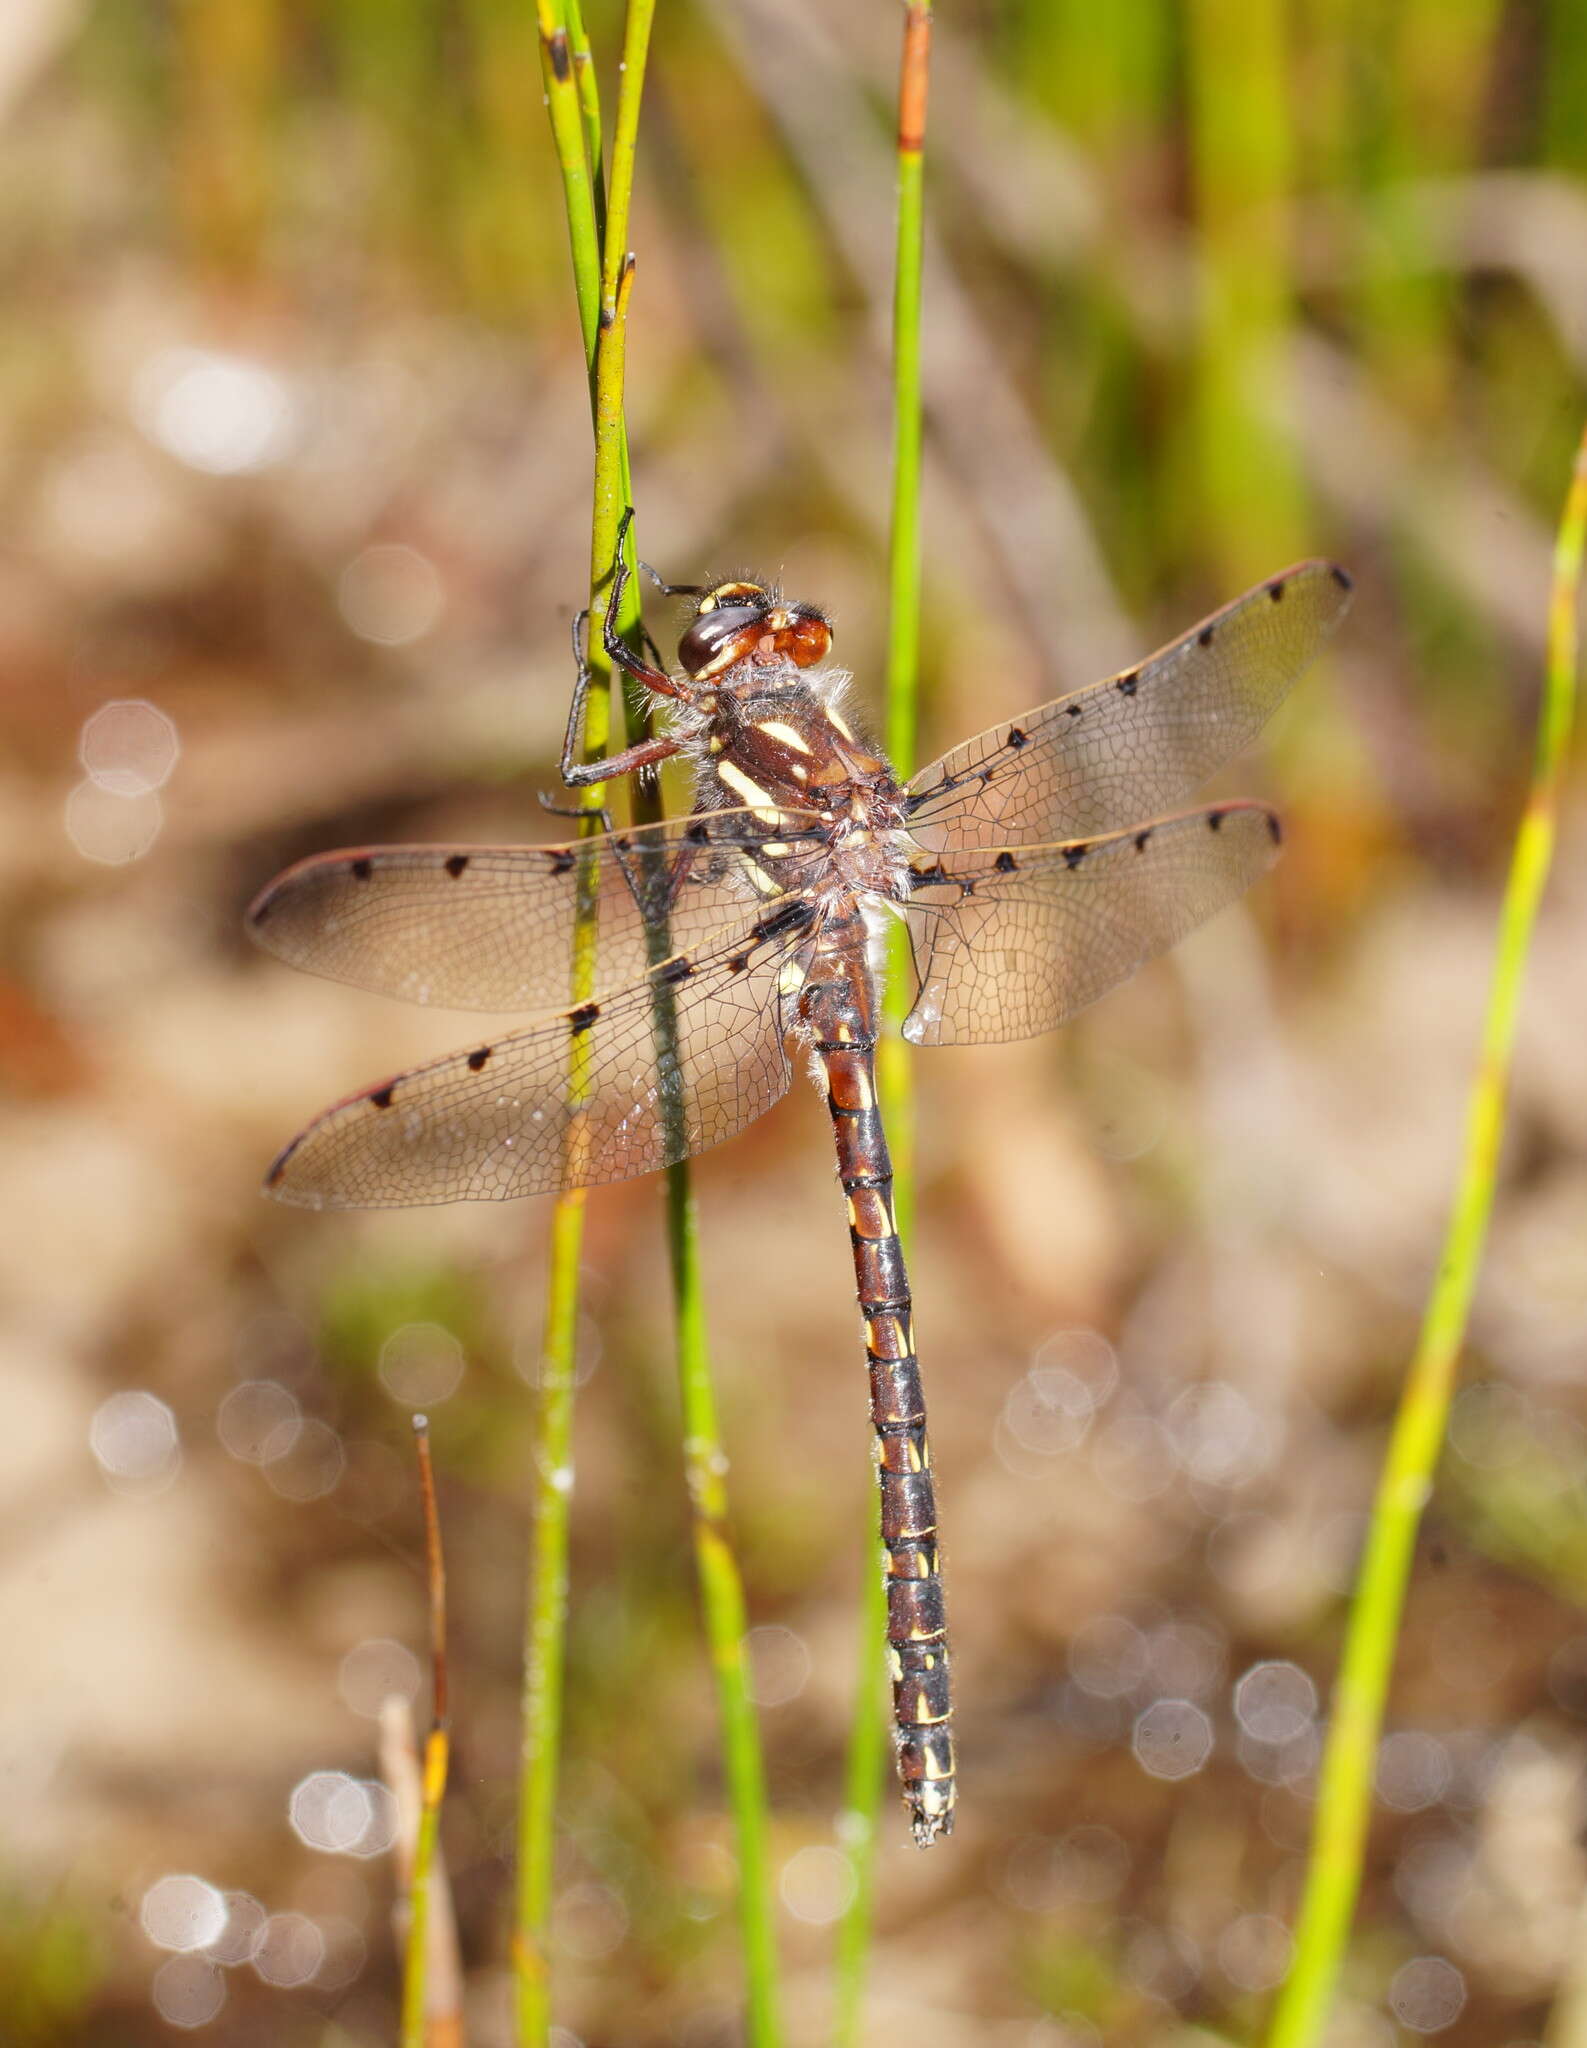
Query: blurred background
x,y
295,514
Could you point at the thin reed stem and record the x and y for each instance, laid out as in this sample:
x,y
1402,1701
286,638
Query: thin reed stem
x,y
705,1460
545,1627
603,289
1344,1796
578,164
415,1965
545,1620
866,1773
722,1603
589,94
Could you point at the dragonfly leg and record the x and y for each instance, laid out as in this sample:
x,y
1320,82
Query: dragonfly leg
x,y
672,589
577,774
618,652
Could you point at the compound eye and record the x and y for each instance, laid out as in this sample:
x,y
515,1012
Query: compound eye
x,y
809,639
719,637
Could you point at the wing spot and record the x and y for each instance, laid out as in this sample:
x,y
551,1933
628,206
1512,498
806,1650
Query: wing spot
x,y
584,1016
1074,855
561,859
1204,637
477,1059
1005,863
1141,838
1127,685
1214,820
674,971
381,1097
739,963
362,869
456,864
791,917
1275,829
1073,710
1341,576
1276,590
699,833
1017,739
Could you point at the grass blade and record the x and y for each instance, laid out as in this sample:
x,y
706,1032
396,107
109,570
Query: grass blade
x,y
705,1461
416,2026
603,287
1344,1799
866,1774
545,1620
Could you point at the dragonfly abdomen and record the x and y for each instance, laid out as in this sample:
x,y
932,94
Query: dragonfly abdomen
x,y
838,1007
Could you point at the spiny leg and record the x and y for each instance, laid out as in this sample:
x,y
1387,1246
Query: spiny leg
x,y
647,753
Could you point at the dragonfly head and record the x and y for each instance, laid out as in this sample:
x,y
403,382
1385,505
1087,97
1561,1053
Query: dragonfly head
x,y
747,622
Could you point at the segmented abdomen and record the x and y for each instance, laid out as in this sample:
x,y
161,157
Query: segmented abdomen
x,y
838,1004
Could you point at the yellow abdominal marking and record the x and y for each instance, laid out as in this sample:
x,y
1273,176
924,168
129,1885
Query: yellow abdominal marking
x,y
776,730
752,793
835,721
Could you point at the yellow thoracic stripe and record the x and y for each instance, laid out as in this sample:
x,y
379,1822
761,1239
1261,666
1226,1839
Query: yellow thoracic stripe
x,y
775,729
752,793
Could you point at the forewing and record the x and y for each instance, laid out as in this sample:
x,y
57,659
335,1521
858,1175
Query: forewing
x,y
1140,742
1011,944
684,1058
491,927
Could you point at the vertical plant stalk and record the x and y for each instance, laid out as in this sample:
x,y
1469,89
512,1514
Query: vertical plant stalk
x,y
1344,1795
598,230
545,1620
578,163
866,1773
418,2027
705,1460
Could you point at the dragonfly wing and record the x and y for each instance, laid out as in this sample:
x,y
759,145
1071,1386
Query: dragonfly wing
x,y
1010,944
491,927
1139,742
677,1062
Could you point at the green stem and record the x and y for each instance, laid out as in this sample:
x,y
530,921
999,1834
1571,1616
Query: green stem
x,y
416,1956
574,161
589,95
603,290
705,1462
416,1959
545,1627
545,1624
722,1601
1345,1790
866,1772
625,136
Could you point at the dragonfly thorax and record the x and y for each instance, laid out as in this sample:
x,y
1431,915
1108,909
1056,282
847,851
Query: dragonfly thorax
x,y
769,736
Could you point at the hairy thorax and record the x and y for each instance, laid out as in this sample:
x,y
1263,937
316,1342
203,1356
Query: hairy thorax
x,y
770,737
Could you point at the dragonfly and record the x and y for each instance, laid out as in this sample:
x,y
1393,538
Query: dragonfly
x,y
1036,866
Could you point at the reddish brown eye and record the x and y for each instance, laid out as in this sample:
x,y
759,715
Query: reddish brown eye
x,y
720,637
809,641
